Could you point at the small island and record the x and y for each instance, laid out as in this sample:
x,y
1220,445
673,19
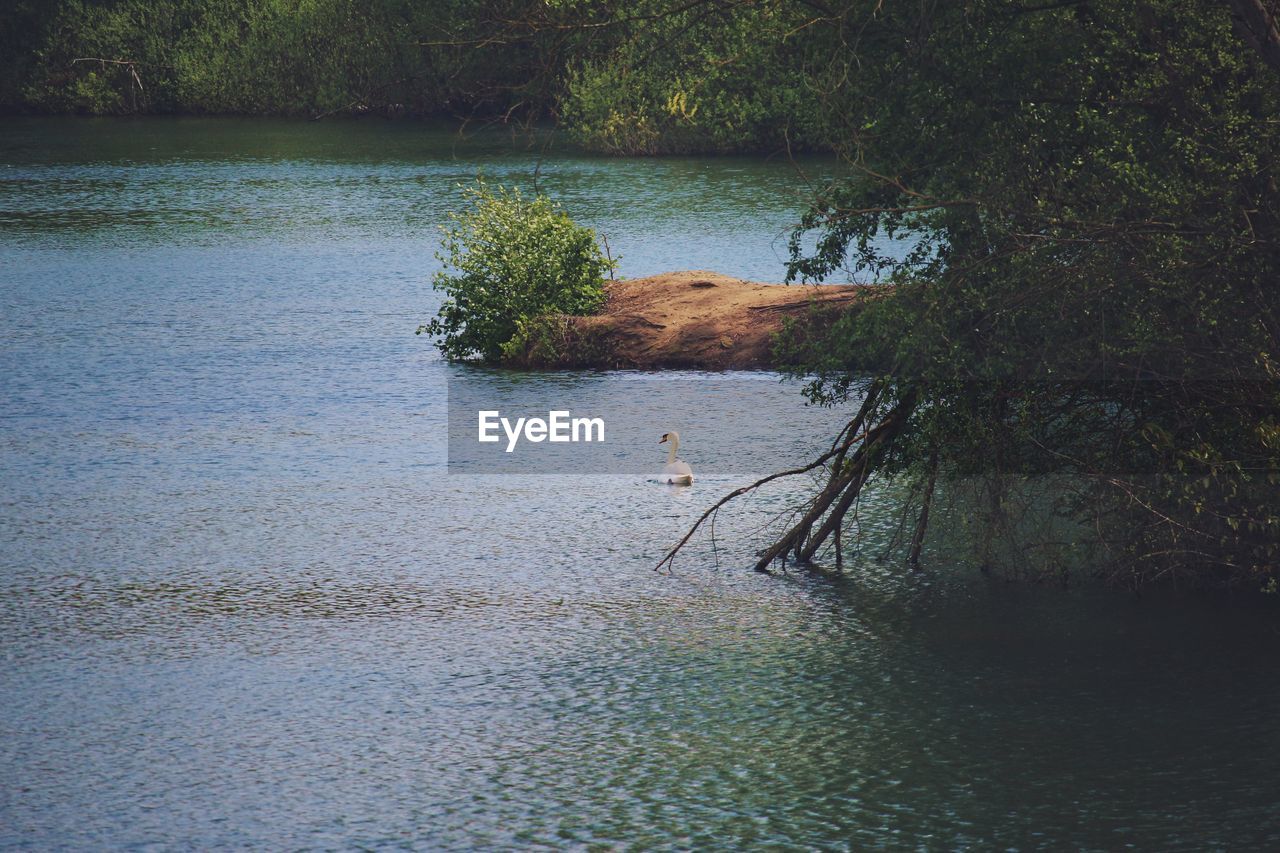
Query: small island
x,y
686,320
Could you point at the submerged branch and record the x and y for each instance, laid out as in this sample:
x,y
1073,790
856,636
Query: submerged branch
x,y
821,460
850,460
922,523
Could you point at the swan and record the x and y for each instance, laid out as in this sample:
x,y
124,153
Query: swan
x,y
677,472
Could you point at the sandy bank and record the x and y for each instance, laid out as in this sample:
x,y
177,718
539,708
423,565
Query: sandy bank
x,y
691,319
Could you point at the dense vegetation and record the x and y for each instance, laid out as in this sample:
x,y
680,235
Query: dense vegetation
x,y
710,77
1088,189
1092,299
630,77
287,57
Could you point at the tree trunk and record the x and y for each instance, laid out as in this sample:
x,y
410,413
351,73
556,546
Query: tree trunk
x,y
1255,21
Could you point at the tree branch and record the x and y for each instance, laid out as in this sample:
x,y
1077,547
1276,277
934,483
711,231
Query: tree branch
x,y
1256,24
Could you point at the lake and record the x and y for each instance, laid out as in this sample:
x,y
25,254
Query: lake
x,y
244,601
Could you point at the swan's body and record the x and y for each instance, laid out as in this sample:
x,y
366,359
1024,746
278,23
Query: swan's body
x,y
677,472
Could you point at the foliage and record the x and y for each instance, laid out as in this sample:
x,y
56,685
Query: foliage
x,y
1088,195
561,341
647,77
22,23
106,58
703,77
279,57
508,260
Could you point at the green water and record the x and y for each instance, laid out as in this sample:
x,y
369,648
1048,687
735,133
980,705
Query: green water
x,y
242,602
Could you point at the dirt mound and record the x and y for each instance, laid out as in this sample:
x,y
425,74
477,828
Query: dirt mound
x,y
691,319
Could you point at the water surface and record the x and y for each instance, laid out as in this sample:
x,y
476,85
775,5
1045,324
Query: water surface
x,y
242,602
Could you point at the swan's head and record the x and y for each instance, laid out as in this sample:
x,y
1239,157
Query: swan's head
x,y
673,437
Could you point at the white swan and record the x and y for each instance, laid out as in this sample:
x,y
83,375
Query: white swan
x,y
677,472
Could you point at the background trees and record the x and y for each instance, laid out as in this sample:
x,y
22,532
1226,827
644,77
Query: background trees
x,y
279,57
653,76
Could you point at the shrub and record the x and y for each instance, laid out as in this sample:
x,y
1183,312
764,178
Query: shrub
x,y
560,341
509,259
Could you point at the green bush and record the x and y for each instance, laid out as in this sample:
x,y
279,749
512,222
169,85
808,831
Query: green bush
x,y
560,341
509,259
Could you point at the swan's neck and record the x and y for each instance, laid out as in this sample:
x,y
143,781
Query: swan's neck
x,y
671,451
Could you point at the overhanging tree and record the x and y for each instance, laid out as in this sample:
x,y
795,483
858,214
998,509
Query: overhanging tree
x,y
1088,194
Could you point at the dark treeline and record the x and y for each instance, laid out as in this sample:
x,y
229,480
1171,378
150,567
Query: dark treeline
x,y
626,77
